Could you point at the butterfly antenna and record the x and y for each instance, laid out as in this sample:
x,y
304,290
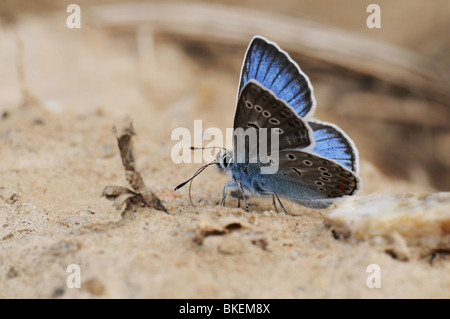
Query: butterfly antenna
x,y
193,148
201,169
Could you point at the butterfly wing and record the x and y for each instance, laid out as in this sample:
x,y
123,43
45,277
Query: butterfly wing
x,y
258,108
266,63
317,163
308,179
332,143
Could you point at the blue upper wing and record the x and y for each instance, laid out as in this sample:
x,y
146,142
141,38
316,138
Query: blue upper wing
x,y
333,143
275,70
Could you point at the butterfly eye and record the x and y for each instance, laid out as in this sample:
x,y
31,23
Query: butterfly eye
x,y
225,161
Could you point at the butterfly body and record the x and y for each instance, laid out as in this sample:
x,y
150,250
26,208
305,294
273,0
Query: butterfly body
x,y
317,162
278,149
323,180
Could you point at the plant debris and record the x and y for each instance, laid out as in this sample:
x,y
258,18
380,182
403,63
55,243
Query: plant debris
x,y
140,193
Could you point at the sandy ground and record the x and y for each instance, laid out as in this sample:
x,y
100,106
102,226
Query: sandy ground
x,y
58,154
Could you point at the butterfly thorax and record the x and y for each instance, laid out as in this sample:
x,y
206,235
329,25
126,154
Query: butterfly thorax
x,y
245,173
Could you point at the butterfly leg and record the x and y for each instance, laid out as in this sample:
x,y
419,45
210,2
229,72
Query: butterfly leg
x,y
274,204
279,201
227,185
243,196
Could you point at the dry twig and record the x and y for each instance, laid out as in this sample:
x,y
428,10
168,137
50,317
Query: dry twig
x,y
234,26
140,193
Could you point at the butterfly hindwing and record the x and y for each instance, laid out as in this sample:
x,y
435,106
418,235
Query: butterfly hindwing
x,y
308,179
266,63
331,142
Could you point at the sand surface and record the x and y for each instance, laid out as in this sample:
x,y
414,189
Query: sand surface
x,y
58,152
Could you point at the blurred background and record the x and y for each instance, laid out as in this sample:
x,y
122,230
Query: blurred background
x,y
388,88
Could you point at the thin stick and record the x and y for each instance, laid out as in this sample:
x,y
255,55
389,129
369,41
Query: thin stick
x,y
234,26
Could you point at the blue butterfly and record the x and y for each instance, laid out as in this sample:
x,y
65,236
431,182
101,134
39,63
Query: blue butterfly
x,y
317,163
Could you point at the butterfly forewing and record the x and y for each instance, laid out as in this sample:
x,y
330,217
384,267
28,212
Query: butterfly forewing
x,y
266,63
258,108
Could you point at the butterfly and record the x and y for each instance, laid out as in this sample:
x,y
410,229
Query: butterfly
x,y
316,162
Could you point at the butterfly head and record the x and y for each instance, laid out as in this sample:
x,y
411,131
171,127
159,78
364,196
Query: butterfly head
x,y
224,160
